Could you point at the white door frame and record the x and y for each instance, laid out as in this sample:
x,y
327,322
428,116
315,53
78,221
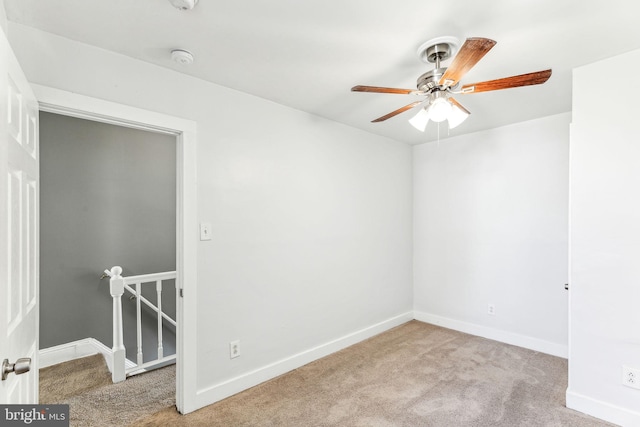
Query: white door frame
x,y
80,106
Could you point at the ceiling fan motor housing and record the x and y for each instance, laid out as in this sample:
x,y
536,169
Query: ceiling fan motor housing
x,y
434,51
428,82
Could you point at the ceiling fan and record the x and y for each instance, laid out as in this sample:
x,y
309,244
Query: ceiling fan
x,y
440,84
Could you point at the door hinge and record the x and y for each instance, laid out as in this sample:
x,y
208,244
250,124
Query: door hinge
x,y
181,293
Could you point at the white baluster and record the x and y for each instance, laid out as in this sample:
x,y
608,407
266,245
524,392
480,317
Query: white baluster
x,y
139,323
159,292
120,284
116,286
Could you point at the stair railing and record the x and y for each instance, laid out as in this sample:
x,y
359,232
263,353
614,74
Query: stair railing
x,y
118,285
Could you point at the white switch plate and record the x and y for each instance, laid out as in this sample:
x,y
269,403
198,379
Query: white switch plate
x,y
205,231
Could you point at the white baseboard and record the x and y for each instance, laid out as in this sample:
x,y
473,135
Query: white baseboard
x,y
605,411
235,385
531,343
75,350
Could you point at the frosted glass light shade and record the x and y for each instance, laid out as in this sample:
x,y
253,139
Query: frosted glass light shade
x,y
420,120
439,110
456,116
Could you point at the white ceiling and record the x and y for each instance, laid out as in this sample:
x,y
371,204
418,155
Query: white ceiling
x,y
308,54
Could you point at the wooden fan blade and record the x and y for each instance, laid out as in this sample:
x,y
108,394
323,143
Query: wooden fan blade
x,y
528,79
469,54
396,112
377,89
457,104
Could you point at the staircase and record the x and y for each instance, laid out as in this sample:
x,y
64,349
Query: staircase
x,y
133,284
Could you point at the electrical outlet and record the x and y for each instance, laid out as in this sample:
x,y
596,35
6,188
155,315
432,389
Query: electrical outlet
x,y
234,349
491,310
631,377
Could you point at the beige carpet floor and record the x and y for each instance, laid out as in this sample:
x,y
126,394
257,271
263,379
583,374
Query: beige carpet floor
x,y
61,382
413,375
85,384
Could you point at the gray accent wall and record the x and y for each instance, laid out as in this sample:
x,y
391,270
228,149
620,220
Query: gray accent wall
x,y
107,197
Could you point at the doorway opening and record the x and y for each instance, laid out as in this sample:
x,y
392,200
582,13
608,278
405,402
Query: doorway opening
x,y
183,133
108,198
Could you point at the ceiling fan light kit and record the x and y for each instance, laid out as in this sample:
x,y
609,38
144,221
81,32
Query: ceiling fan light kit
x,y
458,115
420,120
440,84
438,110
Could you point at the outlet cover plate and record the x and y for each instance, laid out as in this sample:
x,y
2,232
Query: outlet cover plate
x,y
631,377
234,349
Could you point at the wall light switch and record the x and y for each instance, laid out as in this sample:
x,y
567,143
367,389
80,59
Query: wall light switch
x,y
205,231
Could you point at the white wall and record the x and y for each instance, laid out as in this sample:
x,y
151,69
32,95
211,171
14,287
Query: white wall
x,y
311,219
3,17
491,227
605,244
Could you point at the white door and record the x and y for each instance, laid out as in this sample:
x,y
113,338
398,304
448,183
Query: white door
x,y
19,308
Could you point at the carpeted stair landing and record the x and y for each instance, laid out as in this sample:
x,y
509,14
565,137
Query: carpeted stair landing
x,y
85,384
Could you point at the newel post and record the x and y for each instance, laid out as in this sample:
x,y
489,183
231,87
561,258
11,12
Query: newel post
x,y
116,284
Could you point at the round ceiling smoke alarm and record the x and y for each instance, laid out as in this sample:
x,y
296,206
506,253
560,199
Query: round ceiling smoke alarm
x,y
182,56
183,4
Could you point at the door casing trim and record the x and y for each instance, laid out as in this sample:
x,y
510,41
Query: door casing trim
x,y
58,101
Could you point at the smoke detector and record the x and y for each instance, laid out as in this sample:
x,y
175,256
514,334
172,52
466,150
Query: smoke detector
x,y
183,4
181,56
